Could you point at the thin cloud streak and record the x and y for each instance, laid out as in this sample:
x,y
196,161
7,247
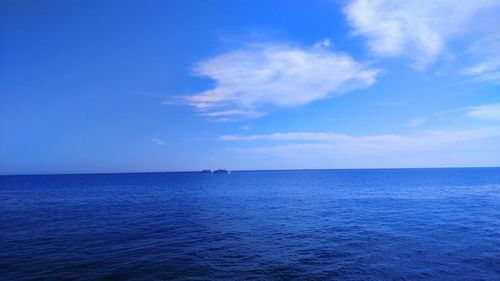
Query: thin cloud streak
x,y
488,67
485,112
488,112
415,122
330,141
158,141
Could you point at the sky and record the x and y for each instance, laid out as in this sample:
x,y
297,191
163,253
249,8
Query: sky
x,y
138,86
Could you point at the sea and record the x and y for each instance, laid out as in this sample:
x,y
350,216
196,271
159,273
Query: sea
x,y
367,224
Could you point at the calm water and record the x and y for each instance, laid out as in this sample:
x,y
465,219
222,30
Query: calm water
x,y
411,224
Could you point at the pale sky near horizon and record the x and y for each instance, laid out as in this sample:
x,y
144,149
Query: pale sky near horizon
x,y
133,86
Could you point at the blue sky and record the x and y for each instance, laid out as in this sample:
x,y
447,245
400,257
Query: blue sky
x,y
124,86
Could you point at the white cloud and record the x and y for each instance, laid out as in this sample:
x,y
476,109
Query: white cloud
x,y
416,122
484,112
488,66
233,112
325,43
245,127
482,67
488,112
252,80
158,141
330,142
417,28
298,150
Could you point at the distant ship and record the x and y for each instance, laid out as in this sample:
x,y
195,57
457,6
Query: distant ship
x,y
218,171
221,171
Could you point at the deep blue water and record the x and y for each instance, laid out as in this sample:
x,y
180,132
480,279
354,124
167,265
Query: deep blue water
x,y
405,224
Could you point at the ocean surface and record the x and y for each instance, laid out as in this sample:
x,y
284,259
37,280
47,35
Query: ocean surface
x,y
387,224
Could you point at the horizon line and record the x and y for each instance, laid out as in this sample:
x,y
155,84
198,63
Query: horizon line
x,y
254,170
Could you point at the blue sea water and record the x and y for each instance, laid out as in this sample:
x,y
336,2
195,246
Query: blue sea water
x,y
394,224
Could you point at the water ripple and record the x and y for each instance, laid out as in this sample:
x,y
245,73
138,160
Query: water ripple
x,y
422,224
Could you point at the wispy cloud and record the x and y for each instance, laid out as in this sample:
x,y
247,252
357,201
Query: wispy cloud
x,y
415,122
331,143
424,137
245,127
325,43
478,114
484,112
488,112
487,51
251,81
232,112
416,28
158,141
